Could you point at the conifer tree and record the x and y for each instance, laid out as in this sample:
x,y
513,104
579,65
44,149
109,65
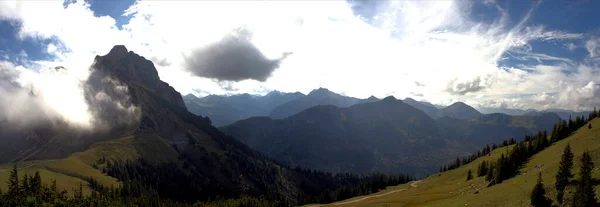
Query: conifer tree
x,y
36,183
564,173
490,173
13,183
25,185
469,175
585,195
482,170
538,195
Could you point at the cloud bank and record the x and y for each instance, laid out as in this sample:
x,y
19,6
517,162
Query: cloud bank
x,y
56,96
358,49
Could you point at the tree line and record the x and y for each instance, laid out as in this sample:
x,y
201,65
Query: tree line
x,y
184,183
523,150
175,184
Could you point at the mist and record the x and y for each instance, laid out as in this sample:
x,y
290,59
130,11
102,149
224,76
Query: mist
x,y
59,95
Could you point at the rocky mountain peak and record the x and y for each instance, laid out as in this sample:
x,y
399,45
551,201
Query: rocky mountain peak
x,y
132,69
118,51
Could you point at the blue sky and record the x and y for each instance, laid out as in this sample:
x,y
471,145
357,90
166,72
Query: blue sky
x,y
508,54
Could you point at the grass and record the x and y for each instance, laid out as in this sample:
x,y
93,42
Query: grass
x,y
75,169
451,188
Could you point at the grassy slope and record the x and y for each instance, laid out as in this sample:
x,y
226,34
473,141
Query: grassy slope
x,y
450,188
70,171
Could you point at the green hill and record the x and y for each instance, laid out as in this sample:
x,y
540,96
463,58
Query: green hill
x,y
450,188
79,167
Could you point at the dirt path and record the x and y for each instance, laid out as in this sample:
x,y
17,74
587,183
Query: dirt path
x,y
28,166
413,184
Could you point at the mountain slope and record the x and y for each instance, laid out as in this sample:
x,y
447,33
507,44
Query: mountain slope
x,y
387,135
426,107
494,128
451,189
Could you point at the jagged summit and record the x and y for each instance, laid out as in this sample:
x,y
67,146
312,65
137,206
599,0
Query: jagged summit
x,y
132,69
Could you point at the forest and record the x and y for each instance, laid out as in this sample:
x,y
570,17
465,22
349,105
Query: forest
x,y
170,184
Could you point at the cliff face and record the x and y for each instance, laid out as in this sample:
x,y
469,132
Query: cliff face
x,y
130,68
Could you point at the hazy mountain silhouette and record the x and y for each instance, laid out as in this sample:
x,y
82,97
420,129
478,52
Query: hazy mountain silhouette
x,y
459,110
386,135
321,96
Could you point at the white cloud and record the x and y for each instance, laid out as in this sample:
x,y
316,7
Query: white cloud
x,y
27,96
593,47
434,43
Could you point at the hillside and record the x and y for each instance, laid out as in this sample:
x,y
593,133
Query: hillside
x,y
477,130
386,136
426,107
450,188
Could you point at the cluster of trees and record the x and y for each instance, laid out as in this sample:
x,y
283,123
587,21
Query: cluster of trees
x,y
172,184
466,160
483,152
585,193
184,183
324,187
560,130
507,166
30,191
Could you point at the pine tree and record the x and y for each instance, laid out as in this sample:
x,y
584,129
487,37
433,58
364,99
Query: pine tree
x,y
25,185
564,173
585,195
538,195
13,183
490,173
469,175
36,183
482,170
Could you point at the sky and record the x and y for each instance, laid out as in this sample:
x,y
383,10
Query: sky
x,y
499,54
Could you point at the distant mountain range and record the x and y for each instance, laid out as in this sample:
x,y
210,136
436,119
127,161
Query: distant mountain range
x,y
458,110
388,135
224,110
563,114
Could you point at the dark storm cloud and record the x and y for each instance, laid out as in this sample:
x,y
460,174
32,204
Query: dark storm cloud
x,y
233,58
462,88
